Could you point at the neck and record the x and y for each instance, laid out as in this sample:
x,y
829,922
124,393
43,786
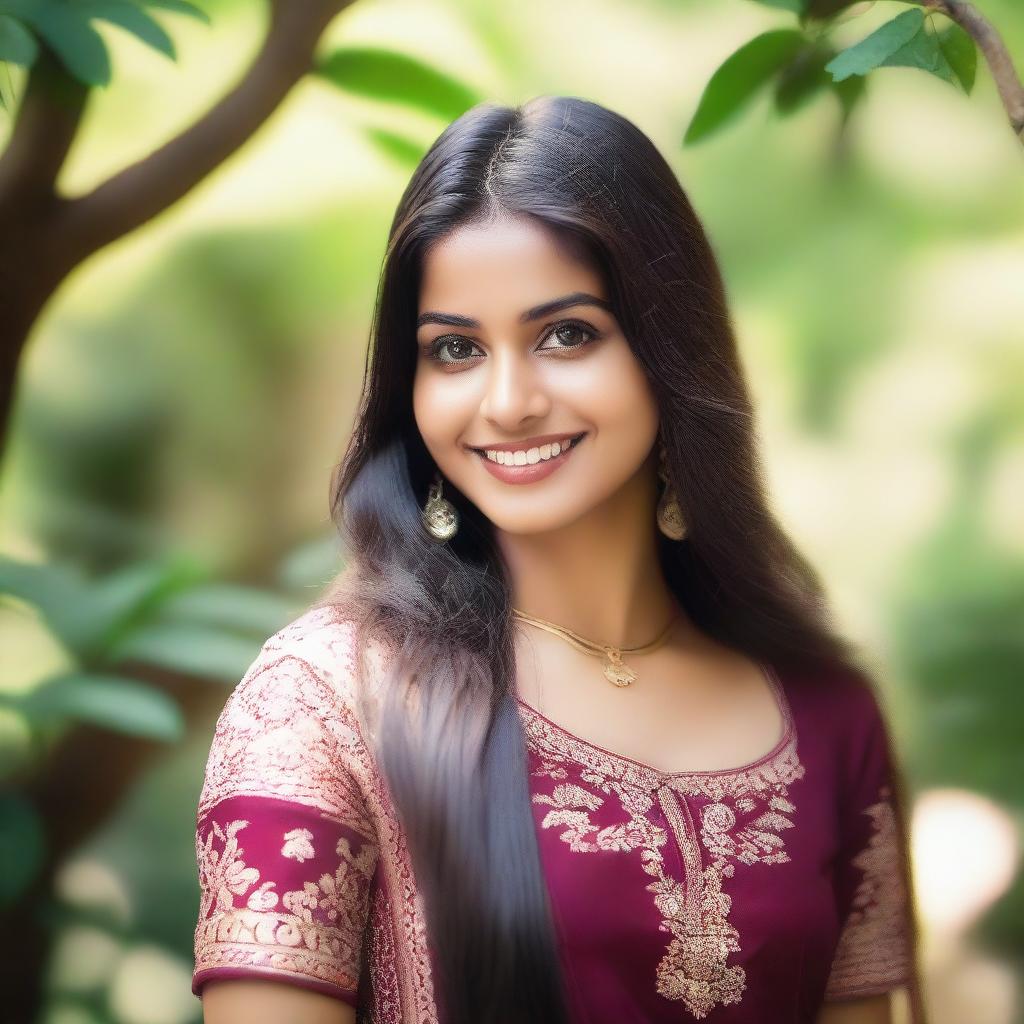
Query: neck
x,y
599,576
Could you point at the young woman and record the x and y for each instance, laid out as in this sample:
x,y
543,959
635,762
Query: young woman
x,y
572,738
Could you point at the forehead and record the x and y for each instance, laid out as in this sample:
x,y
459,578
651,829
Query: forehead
x,y
503,267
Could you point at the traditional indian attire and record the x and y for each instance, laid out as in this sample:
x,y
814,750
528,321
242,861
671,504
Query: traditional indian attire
x,y
746,895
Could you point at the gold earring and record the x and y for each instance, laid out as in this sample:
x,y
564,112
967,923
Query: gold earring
x,y
440,516
670,515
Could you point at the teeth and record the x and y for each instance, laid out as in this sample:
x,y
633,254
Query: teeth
x,y
528,456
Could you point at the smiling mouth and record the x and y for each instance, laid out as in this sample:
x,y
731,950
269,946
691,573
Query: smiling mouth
x,y
573,441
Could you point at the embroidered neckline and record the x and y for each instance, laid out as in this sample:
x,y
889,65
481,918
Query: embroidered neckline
x,y
543,734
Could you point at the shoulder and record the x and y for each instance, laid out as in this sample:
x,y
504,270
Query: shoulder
x,y
292,725
836,692
313,661
321,639
843,707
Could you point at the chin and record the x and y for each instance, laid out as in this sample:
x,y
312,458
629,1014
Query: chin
x,y
534,524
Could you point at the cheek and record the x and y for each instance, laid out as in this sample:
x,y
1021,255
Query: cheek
x,y
438,410
612,391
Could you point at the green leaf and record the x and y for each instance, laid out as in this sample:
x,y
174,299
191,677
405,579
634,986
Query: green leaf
x,y
54,590
178,7
873,50
960,50
802,78
202,651
386,75
22,846
131,18
79,47
921,51
739,77
17,44
404,151
110,701
128,597
91,617
88,617
230,606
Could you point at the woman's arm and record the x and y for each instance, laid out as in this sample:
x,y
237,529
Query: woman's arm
x,y
286,844
868,1010
259,1001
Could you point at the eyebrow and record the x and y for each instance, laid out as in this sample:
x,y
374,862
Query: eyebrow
x,y
534,313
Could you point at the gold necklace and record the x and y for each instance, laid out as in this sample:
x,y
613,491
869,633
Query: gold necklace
x,y
615,671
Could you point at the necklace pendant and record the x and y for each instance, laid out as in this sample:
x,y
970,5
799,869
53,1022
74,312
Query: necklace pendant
x,y
615,672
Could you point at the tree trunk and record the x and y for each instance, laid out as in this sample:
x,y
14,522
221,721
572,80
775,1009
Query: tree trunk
x,y
44,236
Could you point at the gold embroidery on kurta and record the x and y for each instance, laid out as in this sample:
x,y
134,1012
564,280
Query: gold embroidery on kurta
x,y
277,931
695,910
872,953
694,968
298,845
283,733
572,806
292,730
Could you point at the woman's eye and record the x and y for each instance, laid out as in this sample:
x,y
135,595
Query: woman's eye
x,y
458,349
569,328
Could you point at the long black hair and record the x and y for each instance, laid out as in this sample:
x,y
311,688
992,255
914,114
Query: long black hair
x,y
450,740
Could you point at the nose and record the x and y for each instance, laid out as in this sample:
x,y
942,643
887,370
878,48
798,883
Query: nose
x,y
513,392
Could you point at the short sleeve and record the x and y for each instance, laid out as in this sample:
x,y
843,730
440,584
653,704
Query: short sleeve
x,y
874,952
285,847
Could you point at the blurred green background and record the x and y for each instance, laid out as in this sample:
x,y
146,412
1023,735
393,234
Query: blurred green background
x,y
184,397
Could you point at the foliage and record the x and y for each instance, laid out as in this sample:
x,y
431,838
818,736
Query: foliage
x,y
66,26
803,62
168,615
385,75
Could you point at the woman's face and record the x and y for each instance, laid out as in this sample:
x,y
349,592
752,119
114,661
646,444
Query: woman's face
x,y
517,349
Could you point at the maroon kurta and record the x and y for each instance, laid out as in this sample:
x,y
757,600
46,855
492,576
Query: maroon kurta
x,y
745,895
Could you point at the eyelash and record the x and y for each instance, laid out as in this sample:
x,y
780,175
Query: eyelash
x,y
433,350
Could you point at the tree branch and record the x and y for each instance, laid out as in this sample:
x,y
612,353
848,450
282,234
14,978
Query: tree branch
x,y
147,188
991,44
50,112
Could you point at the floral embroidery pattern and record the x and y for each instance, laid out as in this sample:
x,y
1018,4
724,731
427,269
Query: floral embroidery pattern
x,y
695,910
298,845
572,804
876,928
223,875
313,931
283,732
293,730
694,968
757,842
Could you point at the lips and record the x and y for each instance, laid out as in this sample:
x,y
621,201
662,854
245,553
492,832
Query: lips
x,y
524,446
531,472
